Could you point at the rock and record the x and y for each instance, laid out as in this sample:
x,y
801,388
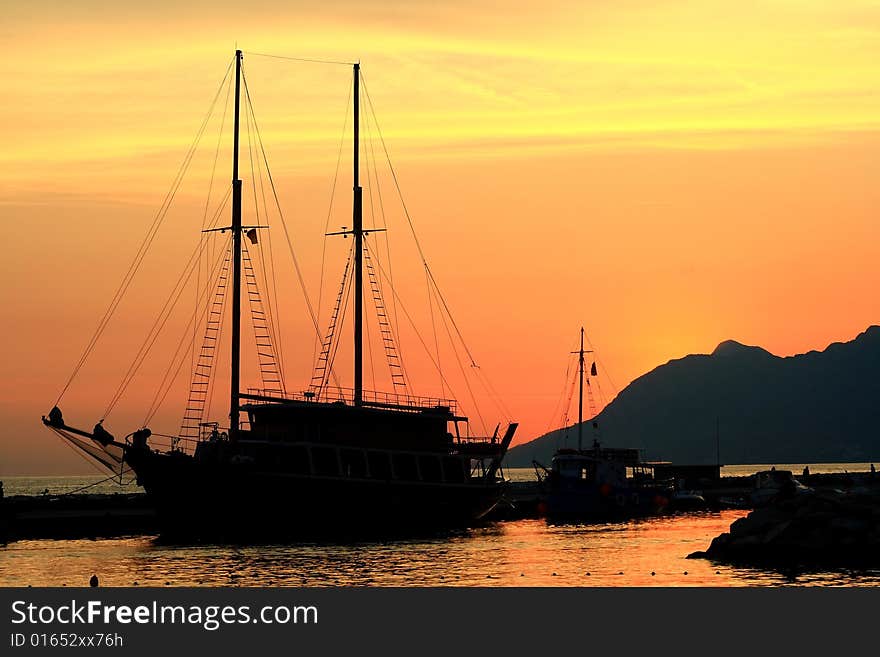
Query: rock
x,y
849,524
744,541
831,526
776,531
758,521
719,542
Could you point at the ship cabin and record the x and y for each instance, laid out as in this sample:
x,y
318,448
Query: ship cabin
x,y
385,437
616,467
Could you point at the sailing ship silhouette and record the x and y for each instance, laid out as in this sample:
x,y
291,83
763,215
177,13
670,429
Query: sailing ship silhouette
x,y
327,459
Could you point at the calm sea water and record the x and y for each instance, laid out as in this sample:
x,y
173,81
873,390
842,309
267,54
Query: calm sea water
x,y
648,552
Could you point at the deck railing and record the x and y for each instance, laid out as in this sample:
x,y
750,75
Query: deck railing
x,y
346,396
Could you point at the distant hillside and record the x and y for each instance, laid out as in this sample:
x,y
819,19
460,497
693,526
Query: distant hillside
x,y
818,406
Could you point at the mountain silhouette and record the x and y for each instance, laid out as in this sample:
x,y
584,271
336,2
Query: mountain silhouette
x,y
813,407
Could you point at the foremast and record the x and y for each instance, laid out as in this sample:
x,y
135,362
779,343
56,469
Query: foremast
x,y
357,229
235,375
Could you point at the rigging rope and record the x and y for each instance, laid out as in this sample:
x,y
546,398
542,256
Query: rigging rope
x,y
393,172
464,375
388,322
415,328
442,300
83,455
433,325
376,301
145,244
492,394
201,381
299,59
267,356
270,315
327,223
299,274
102,481
205,215
557,407
421,252
604,369
334,345
386,235
268,273
217,153
166,384
370,356
327,342
393,356
566,419
158,324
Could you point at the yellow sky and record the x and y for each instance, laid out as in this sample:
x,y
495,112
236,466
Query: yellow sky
x,y
668,174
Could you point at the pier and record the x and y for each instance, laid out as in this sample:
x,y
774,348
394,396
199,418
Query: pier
x,y
524,499
74,516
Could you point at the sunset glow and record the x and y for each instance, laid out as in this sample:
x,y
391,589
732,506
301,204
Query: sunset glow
x,y
668,175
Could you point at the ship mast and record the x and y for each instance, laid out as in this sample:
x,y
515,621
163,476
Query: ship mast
x,y
581,393
236,264
358,232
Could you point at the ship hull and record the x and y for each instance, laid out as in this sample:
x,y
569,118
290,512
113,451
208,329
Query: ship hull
x,y
241,502
597,503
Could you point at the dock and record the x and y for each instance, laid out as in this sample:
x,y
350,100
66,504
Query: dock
x,y
525,499
73,516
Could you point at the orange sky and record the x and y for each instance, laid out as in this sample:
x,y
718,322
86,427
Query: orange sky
x,y
668,174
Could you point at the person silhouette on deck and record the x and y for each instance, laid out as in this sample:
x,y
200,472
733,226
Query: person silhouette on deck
x,y
101,434
55,418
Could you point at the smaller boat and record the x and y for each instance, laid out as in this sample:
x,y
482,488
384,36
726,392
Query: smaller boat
x,y
688,500
733,502
600,483
773,485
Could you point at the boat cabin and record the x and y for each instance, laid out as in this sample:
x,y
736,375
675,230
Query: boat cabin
x,y
404,439
602,465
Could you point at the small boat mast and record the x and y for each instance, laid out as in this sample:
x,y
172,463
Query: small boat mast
x,y
580,352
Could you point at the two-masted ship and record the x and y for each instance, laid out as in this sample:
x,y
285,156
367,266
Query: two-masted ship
x,y
325,460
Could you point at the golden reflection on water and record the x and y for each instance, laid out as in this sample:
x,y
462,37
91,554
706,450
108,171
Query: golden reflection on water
x,y
649,552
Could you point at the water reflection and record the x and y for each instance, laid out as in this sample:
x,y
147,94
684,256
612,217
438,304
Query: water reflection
x,y
646,552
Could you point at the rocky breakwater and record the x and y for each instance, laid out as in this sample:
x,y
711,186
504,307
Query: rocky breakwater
x,y
821,527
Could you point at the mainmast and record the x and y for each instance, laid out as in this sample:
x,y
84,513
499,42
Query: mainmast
x,y
236,264
357,231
